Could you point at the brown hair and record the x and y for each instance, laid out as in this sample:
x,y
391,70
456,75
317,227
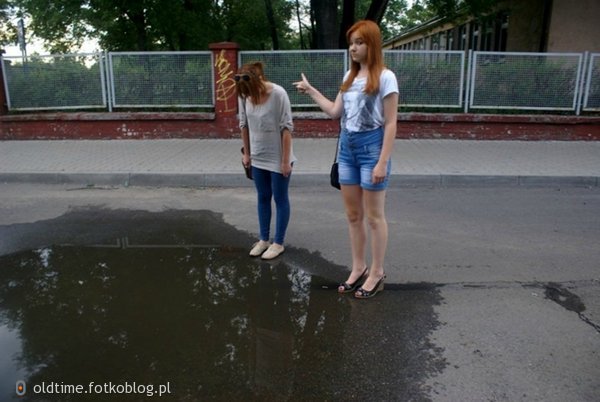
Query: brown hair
x,y
253,88
371,35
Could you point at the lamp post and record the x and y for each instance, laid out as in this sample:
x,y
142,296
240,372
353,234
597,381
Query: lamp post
x,y
21,39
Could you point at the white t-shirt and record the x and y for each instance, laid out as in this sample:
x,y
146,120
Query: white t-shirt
x,y
364,112
265,123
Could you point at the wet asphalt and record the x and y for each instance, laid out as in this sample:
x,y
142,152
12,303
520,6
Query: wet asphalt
x,y
492,294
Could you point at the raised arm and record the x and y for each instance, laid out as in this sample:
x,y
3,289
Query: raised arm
x,y
332,109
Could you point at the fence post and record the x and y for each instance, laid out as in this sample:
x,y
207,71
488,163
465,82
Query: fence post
x,y
225,65
579,99
3,101
470,72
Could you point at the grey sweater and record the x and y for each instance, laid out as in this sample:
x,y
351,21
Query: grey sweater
x,y
265,123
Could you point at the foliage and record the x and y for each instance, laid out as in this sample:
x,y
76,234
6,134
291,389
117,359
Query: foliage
x,y
393,21
416,15
450,8
151,25
8,31
422,11
147,25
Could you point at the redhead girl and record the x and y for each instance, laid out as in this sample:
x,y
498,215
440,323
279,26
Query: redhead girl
x,y
265,116
368,107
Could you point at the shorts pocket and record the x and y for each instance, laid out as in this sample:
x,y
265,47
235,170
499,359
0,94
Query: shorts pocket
x,y
373,151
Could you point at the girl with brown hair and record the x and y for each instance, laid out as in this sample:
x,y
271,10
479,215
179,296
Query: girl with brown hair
x,y
265,119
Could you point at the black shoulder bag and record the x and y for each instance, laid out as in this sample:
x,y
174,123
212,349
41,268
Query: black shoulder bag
x,y
334,176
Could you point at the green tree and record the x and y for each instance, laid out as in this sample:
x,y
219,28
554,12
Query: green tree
x,y
257,26
8,31
402,18
170,25
330,19
449,8
120,25
416,15
325,31
157,24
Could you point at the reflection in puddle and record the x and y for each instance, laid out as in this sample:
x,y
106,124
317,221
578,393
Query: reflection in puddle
x,y
208,321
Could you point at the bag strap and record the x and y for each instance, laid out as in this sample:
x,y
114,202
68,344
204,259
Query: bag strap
x,y
337,145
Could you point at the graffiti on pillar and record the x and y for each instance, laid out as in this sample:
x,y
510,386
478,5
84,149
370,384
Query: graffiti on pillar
x,y
225,82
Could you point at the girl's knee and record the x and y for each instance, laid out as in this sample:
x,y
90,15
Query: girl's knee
x,y
354,217
376,221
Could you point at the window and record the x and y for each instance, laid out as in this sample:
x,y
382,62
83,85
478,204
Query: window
x,y
503,36
462,37
442,40
488,36
450,39
474,37
435,42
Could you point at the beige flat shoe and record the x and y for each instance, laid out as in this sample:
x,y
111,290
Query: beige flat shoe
x,y
273,251
259,248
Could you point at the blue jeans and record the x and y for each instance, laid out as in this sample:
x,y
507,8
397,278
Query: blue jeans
x,y
272,185
358,154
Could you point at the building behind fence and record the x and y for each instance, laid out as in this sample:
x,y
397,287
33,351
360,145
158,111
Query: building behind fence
x,y
458,81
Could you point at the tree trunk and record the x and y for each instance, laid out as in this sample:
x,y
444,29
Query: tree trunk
x,y
376,10
325,15
272,24
347,21
302,45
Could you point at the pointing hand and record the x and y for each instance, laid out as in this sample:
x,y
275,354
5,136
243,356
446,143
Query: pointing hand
x,y
302,86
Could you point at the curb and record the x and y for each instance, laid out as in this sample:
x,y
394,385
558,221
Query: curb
x,y
202,180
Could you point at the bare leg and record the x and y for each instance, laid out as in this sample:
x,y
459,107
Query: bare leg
x,y
353,203
375,211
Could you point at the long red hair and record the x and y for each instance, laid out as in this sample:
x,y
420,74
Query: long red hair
x,y
369,32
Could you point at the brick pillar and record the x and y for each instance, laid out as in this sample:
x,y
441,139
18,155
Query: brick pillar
x,y
225,55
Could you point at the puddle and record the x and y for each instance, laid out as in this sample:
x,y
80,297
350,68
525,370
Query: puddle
x,y
563,297
127,304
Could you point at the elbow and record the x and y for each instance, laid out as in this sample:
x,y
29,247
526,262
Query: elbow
x,y
333,113
390,127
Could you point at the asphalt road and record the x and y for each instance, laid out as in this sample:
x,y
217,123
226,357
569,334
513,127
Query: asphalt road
x,y
512,276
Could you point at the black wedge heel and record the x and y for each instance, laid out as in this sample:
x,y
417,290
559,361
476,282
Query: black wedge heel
x,y
346,287
362,293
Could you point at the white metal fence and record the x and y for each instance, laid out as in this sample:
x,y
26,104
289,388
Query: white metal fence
x,y
591,98
161,79
70,81
324,69
525,81
432,80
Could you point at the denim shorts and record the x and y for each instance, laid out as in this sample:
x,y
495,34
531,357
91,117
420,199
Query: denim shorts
x,y
358,154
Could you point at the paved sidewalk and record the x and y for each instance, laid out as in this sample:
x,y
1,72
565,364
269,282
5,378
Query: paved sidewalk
x,y
215,162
